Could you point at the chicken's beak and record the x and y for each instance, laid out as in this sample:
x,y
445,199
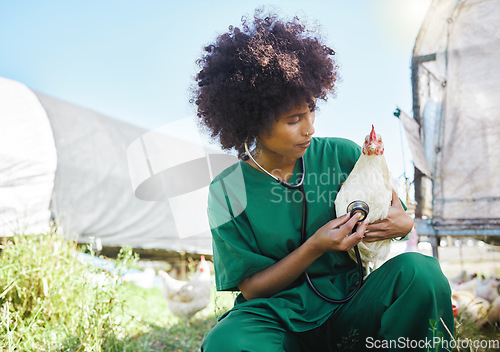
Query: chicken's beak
x,y
371,147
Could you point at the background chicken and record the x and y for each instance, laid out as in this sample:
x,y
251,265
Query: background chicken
x,y
478,297
186,298
369,181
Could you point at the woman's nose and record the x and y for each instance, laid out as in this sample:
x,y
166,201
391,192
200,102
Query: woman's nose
x,y
309,127
311,130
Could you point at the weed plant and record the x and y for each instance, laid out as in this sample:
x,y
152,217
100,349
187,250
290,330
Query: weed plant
x,y
50,301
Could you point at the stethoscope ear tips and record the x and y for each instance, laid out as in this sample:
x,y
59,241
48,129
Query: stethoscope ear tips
x,y
358,206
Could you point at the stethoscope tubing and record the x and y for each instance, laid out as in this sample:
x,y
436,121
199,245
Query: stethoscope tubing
x,y
300,187
306,275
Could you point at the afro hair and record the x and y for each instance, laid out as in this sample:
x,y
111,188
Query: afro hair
x,y
250,75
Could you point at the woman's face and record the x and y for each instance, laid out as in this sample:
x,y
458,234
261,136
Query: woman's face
x,y
289,136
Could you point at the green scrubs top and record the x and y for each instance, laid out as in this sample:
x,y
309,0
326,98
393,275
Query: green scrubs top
x,y
255,222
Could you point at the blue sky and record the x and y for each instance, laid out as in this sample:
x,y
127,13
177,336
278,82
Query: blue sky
x,y
135,60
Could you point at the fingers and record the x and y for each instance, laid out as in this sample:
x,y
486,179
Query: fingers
x,y
373,237
352,221
389,226
394,195
339,221
345,222
356,237
377,230
362,228
395,202
379,225
342,227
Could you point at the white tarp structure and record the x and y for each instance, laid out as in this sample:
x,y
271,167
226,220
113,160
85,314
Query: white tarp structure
x,y
63,162
456,82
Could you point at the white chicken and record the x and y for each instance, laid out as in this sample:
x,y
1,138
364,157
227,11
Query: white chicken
x,y
477,308
478,297
184,298
369,181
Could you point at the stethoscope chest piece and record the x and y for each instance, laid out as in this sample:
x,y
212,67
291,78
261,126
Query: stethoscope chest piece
x,y
358,206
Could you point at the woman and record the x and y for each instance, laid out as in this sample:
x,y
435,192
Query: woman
x,y
257,89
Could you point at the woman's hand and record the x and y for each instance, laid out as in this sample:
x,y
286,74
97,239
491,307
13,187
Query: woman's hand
x,y
396,224
331,237
334,235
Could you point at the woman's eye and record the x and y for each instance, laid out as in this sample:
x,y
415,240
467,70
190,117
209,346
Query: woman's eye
x,y
294,121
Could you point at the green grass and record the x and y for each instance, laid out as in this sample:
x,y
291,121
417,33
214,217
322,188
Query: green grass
x,y
156,329
48,302
466,328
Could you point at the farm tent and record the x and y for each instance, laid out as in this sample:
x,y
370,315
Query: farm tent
x,y
456,80
62,162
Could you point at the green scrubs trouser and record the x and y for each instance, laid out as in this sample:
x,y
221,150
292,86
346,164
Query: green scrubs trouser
x,y
392,311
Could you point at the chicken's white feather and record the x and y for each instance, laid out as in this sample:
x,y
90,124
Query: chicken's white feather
x,y
370,182
185,298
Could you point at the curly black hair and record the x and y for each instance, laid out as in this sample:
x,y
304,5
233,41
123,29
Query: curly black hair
x,y
250,75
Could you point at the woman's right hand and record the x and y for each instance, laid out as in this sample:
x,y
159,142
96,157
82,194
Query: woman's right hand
x,y
334,235
331,237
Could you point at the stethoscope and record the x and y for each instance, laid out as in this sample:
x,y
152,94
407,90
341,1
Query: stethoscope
x,y
353,208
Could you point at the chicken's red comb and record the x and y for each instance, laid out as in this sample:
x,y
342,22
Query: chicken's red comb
x,y
373,135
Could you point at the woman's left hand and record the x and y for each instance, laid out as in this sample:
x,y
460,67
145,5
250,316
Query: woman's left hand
x,y
396,224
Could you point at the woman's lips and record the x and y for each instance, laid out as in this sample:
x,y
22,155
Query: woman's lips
x,y
305,144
